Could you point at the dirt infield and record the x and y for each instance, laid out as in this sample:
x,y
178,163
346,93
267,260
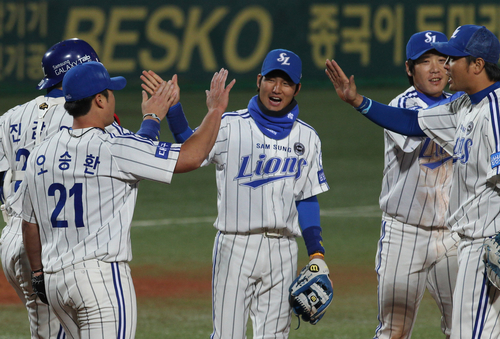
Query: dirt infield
x,y
165,285
168,284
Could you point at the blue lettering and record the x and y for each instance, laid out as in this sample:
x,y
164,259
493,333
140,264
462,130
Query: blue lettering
x,y
243,168
462,149
435,154
290,167
282,148
258,168
272,166
263,146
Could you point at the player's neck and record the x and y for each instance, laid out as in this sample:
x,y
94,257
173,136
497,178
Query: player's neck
x,y
91,119
476,87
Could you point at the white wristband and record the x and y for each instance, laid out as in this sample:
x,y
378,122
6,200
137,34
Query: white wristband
x,y
151,115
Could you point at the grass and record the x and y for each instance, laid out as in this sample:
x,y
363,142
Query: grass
x,y
353,162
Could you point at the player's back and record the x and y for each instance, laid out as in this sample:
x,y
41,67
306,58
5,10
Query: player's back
x,y
83,187
18,130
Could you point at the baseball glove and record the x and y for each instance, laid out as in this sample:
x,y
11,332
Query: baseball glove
x,y
311,292
492,259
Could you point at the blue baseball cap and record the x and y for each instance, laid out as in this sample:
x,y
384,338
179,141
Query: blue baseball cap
x,y
87,79
473,40
420,43
284,60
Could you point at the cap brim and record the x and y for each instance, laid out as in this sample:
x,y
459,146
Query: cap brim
x,y
117,83
446,49
295,79
419,54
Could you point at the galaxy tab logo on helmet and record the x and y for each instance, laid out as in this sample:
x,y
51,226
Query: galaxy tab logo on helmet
x,y
61,57
65,66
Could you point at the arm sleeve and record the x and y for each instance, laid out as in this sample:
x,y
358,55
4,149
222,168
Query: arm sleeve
x,y
150,129
309,221
178,123
405,143
400,120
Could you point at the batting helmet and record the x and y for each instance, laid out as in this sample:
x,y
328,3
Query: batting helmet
x,y
63,56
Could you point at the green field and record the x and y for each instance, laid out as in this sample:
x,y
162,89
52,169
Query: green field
x,y
172,234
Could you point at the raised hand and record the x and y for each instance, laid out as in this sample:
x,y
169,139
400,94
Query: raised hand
x,y
218,95
160,101
345,87
151,82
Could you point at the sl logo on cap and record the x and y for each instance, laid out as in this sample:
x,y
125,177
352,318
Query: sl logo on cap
x,y
429,38
283,59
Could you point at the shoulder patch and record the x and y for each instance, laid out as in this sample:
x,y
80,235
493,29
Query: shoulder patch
x,y
162,150
495,160
321,176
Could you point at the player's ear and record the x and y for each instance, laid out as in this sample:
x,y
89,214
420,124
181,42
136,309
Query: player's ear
x,y
99,100
478,65
297,89
259,80
408,69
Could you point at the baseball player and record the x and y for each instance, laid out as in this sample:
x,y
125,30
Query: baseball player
x,y
80,190
467,128
269,171
21,128
416,250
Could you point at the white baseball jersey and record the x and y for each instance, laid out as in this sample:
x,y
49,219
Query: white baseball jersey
x,y
415,251
18,131
81,188
471,134
19,128
470,128
417,173
259,179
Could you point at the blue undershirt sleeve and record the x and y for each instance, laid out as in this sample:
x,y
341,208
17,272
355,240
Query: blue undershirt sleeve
x,y
178,123
309,221
150,128
400,120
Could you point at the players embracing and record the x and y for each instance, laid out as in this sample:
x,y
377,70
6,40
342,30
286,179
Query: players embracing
x,y
468,128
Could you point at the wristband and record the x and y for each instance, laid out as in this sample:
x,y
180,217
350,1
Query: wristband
x,y
317,254
37,271
151,115
365,106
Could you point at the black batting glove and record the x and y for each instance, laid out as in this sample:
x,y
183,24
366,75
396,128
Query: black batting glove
x,y
38,285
